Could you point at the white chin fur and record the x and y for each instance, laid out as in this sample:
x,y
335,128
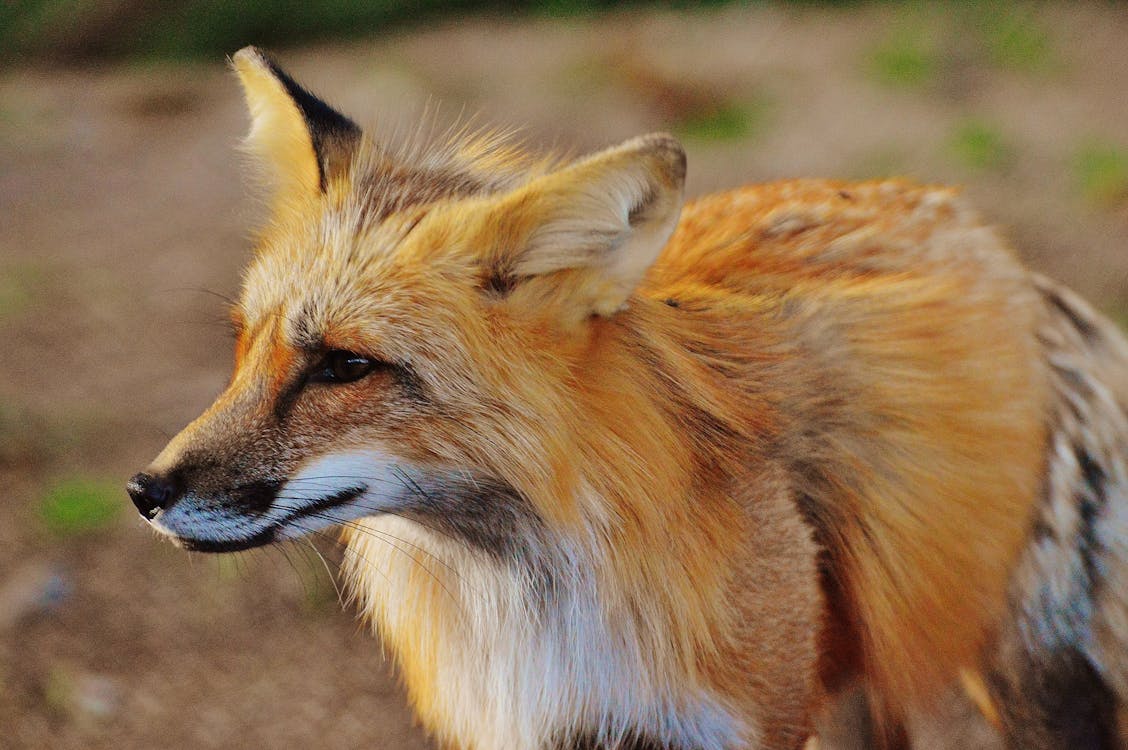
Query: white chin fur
x,y
375,475
190,518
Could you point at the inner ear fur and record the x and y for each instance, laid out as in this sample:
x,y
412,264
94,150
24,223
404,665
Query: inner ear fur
x,y
302,141
603,219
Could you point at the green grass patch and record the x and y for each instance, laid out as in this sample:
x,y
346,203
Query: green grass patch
x,y
906,58
1101,170
929,42
1013,38
979,146
726,121
79,505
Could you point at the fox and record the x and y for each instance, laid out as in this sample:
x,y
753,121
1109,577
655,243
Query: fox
x,y
615,470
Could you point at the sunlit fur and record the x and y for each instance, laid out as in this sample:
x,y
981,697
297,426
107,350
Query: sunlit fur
x,y
794,447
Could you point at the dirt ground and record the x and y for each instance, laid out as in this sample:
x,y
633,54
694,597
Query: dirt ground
x,y
124,222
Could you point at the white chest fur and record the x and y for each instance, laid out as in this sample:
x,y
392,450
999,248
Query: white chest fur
x,y
504,659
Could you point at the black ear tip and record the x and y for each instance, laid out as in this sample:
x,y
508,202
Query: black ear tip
x,y
318,114
333,135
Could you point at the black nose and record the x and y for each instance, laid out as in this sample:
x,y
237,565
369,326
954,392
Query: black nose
x,y
151,494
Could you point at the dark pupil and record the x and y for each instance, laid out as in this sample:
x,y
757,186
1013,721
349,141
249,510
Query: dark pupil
x,y
347,366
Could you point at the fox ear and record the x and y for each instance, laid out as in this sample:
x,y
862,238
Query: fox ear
x,y
604,219
302,141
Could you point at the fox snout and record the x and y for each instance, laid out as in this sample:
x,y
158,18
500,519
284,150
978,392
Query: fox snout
x,y
234,479
190,503
156,492
152,493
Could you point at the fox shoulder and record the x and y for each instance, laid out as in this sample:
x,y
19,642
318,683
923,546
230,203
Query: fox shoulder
x,y
912,394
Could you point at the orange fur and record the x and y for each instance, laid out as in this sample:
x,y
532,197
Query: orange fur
x,y
938,459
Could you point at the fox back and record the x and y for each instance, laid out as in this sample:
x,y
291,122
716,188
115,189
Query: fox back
x,y
615,472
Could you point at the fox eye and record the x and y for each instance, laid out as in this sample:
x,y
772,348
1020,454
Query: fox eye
x,y
340,366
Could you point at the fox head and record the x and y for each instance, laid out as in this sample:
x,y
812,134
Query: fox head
x,y
416,329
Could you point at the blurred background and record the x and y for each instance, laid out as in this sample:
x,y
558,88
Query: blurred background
x,y
125,219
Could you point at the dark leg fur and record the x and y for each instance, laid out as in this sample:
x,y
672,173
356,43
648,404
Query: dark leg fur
x,y
1058,703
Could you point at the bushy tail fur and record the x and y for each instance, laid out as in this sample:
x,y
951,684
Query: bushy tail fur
x,y
1060,667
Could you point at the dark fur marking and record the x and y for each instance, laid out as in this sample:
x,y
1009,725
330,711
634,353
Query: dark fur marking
x,y
411,385
303,333
1092,472
813,512
260,539
256,497
845,195
499,283
341,497
328,129
286,399
1056,703
840,639
1087,544
1089,507
1043,531
391,189
1087,330
715,434
486,514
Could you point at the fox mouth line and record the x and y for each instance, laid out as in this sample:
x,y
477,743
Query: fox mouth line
x,y
269,535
